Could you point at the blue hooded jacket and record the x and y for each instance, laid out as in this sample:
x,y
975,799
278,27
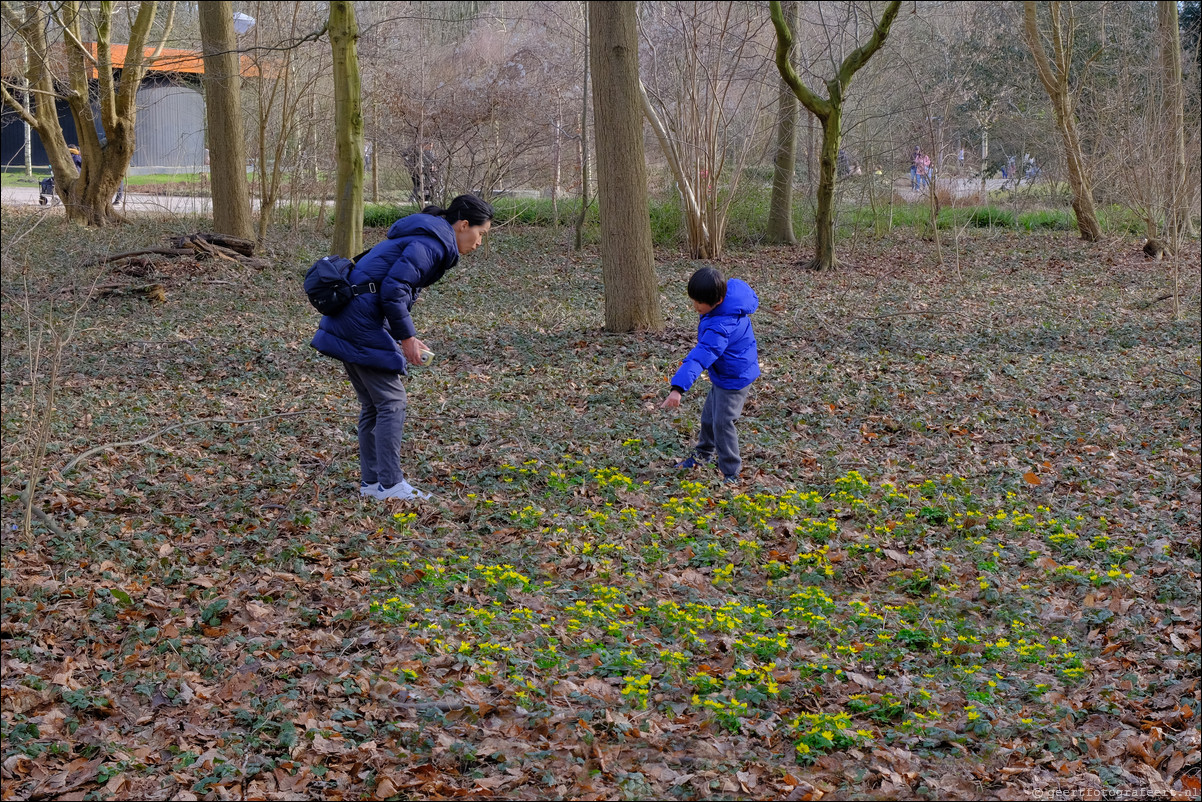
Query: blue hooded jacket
x,y
725,343
419,249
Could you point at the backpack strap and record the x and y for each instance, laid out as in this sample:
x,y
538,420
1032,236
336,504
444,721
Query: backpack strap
x,y
360,289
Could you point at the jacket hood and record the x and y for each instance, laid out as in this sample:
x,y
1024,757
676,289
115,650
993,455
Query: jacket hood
x,y
426,225
740,300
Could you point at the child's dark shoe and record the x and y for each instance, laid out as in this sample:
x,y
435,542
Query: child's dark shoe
x,y
730,481
692,462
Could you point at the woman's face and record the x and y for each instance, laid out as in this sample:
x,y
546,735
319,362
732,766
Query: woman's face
x,y
469,237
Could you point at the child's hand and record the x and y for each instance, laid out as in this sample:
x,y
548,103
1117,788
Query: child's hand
x,y
672,401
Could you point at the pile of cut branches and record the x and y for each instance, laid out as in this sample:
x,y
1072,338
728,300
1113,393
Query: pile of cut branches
x,y
187,255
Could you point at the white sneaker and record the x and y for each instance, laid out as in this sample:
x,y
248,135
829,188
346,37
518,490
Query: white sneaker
x,y
370,491
402,490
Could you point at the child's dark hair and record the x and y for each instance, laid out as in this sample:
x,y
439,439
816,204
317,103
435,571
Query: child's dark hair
x,y
471,208
708,286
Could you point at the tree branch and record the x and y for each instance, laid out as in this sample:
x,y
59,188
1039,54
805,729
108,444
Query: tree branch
x,y
79,458
784,43
859,57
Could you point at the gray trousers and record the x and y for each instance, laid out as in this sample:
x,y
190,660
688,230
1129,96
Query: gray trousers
x,y
382,407
722,408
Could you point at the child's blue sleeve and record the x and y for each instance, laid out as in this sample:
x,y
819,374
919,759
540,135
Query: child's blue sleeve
x,y
711,343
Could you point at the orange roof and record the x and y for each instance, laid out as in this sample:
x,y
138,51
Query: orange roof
x,y
170,60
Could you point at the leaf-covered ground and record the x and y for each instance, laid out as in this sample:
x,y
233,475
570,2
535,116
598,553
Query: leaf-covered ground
x,y
963,563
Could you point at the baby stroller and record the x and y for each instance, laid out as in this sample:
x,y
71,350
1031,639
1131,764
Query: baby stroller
x,y
46,191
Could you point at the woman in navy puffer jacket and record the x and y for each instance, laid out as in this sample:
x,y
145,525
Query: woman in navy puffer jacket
x,y
374,335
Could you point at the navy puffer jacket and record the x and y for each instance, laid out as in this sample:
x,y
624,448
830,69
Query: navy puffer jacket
x,y
419,249
725,342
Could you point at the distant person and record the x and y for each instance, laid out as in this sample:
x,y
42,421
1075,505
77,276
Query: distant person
x,y
725,347
374,335
960,159
924,171
914,160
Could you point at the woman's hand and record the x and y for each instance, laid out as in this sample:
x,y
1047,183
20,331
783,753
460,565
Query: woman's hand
x,y
672,401
412,349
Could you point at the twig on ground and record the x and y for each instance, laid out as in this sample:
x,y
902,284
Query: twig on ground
x,y
1182,374
79,458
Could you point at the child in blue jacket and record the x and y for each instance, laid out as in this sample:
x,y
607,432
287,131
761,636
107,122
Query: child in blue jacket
x,y
726,348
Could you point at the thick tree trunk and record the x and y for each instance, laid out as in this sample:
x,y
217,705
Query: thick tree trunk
x,y
1078,175
1178,222
348,126
223,112
627,258
780,213
1053,74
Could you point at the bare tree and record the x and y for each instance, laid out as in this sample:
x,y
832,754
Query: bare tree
x,y
627,259
289,65
1054,74
86,194
829,112
702,99
223,112
348,122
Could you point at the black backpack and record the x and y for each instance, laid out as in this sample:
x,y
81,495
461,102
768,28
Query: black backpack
x,y
328,286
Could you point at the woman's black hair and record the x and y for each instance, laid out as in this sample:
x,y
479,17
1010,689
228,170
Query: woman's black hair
x,y
471,208
708,286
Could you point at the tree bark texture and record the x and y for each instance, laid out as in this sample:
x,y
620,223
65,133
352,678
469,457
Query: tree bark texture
x,y
348,125
627,258
829,112
223,113
1177,207
780,212
584,161
1054,75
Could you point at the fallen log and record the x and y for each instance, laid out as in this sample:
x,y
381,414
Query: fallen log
x,y
245,247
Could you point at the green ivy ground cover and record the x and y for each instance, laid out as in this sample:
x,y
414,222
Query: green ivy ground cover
x,y
963,561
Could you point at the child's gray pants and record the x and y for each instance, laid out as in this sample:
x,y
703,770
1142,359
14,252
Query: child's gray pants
x,y
722,408
382,403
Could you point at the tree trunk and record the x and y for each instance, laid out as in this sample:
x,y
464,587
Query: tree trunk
x,y
348,126
1177,217
1053,74
584,162
824,217
780,213
627,258
829,112
222,83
